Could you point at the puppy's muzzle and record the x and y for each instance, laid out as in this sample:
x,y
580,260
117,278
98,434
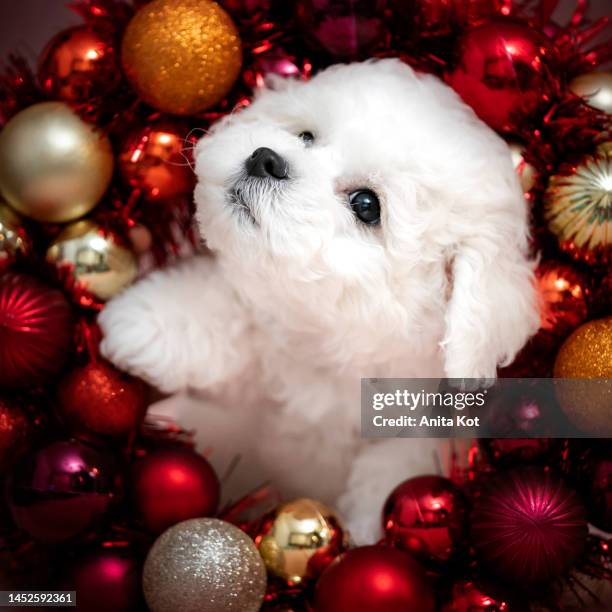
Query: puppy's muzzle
x,y
266,163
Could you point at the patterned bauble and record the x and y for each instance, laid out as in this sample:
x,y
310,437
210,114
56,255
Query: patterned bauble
x,y
578,208
36,326
204,565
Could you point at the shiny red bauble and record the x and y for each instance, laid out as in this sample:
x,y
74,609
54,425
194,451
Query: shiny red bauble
x,y
172,485
372,579
276,62
527,526
78,64
157,158
343,29
501,71
469,596
35,331
98,398
14,431
61,490
425,516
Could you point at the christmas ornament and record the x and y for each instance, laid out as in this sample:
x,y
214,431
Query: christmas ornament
x,y
473,13
424,19
469,596
53,166
182,56
527,526
61,490
98,398
35,331
172,485
78,64
156,160
343,29
204,565
506,452
246,9
587,353
371,579
13,240
14,431
578,208
107,578
276,62
299,539
595,88
525,171
92,262
425,516
599,493
501,72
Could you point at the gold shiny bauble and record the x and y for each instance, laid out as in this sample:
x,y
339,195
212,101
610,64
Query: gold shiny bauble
x,y
587,354
299,539
91,262
526,172
182,56
13,240
578,208
596,88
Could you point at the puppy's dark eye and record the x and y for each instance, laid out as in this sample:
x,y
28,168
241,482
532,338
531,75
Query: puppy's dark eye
x,y
365,205
307,138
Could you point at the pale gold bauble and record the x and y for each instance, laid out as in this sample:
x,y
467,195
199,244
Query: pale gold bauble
x,y
54,167
182,56
595,88
300,538
91,262
13,240
525,171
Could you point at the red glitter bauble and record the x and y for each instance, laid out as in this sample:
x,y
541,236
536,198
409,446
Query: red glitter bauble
x,y
78,64
527,526
99,398
468,596
35,331
425,516
172,485
500,71
343,29
157,160
61,490
372,579
14,431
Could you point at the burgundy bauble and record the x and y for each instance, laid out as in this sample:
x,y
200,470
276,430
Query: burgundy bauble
x,y
372,579
527,526
79,64
35,331
425,516
500,70
172,485
100,399
276,62
14,430
61,490
599,493
343,29
157,158
470,596
108,578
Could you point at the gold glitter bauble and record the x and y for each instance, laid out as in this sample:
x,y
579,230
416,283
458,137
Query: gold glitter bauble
x,y
13,240
182,56
91,262
525,171
204,565
578,208
587,354
54,167
596,88
300,539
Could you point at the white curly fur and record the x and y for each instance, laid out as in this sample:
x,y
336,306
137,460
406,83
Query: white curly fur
x,y
264,343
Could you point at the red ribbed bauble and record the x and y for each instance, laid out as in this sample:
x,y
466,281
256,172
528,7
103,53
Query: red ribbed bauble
x,y
527,526
100,399
372,579
172,485
14,430
500,71
425,516
35,331
468,596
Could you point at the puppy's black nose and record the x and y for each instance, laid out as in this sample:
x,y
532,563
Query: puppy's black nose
x,y
265,163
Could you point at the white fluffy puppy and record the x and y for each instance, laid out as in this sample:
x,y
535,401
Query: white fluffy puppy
x,y
363,224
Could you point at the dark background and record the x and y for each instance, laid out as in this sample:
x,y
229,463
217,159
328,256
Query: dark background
x,y
26,25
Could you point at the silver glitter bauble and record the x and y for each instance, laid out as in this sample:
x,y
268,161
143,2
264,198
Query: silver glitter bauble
x,y
204,565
